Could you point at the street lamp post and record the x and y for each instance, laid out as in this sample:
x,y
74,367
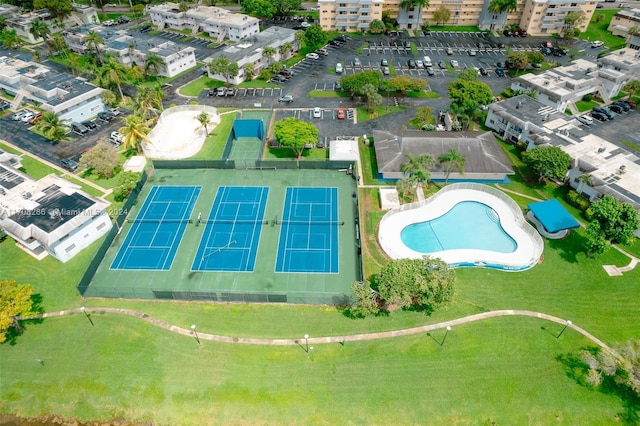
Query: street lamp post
x,y
195,333
306,339
83,309
567,324
445,335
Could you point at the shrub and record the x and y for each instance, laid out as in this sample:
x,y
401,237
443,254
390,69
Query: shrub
x,y
588,97
429,127
577,200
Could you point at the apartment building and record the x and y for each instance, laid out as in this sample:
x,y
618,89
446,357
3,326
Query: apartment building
x,y
21,23
546,17
349,15
216,22
49,216
634,42
623,21
626,61
561,87
613,170
129,50
251,52
71,98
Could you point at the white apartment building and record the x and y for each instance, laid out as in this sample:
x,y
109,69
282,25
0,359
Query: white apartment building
x,y
251,52
626,61
561,87
128,50
21,23
546,17
612,169
71,98
349,15
216,22
623,21
49,216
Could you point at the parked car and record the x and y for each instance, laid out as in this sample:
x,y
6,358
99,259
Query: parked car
x,y
545,51
286,98
279,78
483,71
616,108
386,71
90,124
18,115
499,72
472,52
314,56
109,23
449,51
536,65
342,38
507,33
419,63
411,64
36,118
114,111
322,51
454,63
427,61
625,106
597,43
337,86
585,119
523,33
604,110
69,164
317,112
145,28
356,62
599,116
631,103
27,116
441,65
79,128
430,71
123,19
117,136
341,114
339,68
336,43
105,116
499,65
547,44
384,62
231,91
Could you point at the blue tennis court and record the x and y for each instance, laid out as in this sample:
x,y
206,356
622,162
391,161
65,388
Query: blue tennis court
x,y
309,234
233,228
153,240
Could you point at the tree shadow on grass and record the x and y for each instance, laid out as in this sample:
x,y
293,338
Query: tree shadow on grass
x,y
13,332
570,247
578,370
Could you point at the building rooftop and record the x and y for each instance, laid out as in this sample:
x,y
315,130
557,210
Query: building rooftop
x,y
9,179
57,88
562,82
272,36
622,60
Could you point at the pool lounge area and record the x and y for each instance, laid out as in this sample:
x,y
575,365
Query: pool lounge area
x,y
510,223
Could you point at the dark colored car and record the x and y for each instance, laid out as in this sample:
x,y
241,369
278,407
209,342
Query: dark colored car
x,y
605,111
631,103
279,78
625,106
616,108
69,164
342,38
89,124
123,19
412,64
441,65
545,51
483,71
145,28
336,43
507,33
599,116
500,72
499,65
523,33
105,116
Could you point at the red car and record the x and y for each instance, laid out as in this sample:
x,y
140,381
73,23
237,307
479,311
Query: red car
x,y
341,115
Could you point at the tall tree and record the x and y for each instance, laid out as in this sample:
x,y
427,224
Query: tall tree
x,y
205,121
572,20
409,5
94,41
417,168
263,9
502,6
40,29
617,220
295,134
11,39
442,15
549,162
153,63
249,71
102,159
61,9
355,82
315,37
15,303
113,72
52,127
423,284
134,131
222,66
269,52
622,364
285,7
376,26
452,159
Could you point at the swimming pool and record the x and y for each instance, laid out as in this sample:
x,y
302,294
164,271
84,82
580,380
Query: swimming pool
x,y
464,224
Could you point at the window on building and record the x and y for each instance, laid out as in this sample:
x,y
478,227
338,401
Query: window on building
x,y
549,14
70,248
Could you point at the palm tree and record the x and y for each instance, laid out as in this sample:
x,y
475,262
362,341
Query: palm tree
x,y
57,43
52,127
452,158
583,180
159,95
134,74
11,39
147,101
269,52
40,29
93,40
285,49
417,168
113,72
632,88
249,71
134,131
502,6
153,62
205,120
411,4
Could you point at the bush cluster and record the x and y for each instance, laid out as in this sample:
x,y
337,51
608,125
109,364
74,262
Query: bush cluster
x,y
577,200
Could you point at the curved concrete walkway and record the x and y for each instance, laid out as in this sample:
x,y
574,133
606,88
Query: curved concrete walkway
x,y
332,339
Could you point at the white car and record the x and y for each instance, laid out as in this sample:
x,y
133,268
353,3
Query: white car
x,y
305,25
454,63
27,116
597,43
313,56
317,112
585,119
109,23
117,136
339,68
18,115
419,63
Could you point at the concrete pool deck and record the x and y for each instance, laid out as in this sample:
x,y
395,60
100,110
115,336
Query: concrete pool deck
x,y
529,244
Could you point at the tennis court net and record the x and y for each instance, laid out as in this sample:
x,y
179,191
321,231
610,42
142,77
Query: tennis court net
x,y
159,221
310,222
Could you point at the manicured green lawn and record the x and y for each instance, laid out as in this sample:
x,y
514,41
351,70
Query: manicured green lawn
x,y
369,165
585,105
598,31
286,153
371,113
198,85
213,146
327,94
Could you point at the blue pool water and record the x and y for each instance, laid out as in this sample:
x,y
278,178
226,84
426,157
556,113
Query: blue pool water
x,y
468,225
